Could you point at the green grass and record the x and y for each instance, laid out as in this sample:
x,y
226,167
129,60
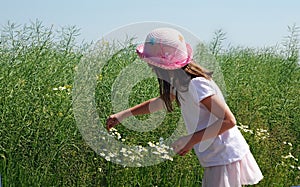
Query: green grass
x,y
41,144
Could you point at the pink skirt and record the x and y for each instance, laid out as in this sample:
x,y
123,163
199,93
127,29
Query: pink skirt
x,y
236,174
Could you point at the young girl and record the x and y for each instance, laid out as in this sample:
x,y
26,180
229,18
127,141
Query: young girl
x,y
217,142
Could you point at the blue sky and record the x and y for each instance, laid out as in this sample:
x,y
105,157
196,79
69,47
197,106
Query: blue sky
x,y
254,23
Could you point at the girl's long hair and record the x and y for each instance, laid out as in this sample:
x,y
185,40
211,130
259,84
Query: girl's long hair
x,y
172,81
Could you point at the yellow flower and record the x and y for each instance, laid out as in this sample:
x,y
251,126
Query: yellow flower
x,y
68,86
180,38
99,77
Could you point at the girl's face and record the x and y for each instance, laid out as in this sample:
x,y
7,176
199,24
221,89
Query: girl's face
x,y
178,78
166,75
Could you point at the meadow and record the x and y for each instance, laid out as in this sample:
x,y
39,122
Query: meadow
x,y
41,144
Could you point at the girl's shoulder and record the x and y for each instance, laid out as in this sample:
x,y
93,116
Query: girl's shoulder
x,y
200,80
202,83
201,88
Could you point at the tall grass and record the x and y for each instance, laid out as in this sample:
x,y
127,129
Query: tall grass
x,y
41,144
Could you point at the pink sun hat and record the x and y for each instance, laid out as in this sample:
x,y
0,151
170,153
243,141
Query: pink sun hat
x,y
166,49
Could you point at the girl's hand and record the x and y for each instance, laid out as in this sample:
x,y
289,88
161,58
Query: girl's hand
x,y
112,121
183,145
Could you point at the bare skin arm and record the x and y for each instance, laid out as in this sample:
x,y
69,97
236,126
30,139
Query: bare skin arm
x,y
226,121
147,107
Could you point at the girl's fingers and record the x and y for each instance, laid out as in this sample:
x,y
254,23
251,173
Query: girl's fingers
x,y
111,122
180,148
177,148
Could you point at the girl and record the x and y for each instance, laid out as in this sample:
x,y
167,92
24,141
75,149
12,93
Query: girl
x,y
217,142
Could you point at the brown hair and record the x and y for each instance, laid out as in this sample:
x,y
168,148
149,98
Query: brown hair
x,y
178,79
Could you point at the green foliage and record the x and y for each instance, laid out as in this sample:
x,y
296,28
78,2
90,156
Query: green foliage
x,y
40,142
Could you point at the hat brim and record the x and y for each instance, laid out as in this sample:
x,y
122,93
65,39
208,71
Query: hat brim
x,y
164,63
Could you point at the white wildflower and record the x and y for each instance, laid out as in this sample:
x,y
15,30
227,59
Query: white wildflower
x,y
166,147
161,150
289,156
245,128
156,153
139,165
132,158
111,155
117,135
61,88
263,130
167,157
141,149
151,144
123,150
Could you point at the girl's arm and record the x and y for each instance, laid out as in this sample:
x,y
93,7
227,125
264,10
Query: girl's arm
x,y
147,107
225,122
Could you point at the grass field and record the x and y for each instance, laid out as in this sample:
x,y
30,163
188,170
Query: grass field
x,y
41,144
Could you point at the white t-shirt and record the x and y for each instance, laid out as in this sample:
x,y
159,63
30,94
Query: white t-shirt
x,y
226,148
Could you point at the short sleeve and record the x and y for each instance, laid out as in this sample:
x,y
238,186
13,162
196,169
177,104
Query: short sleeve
x,y
203,88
